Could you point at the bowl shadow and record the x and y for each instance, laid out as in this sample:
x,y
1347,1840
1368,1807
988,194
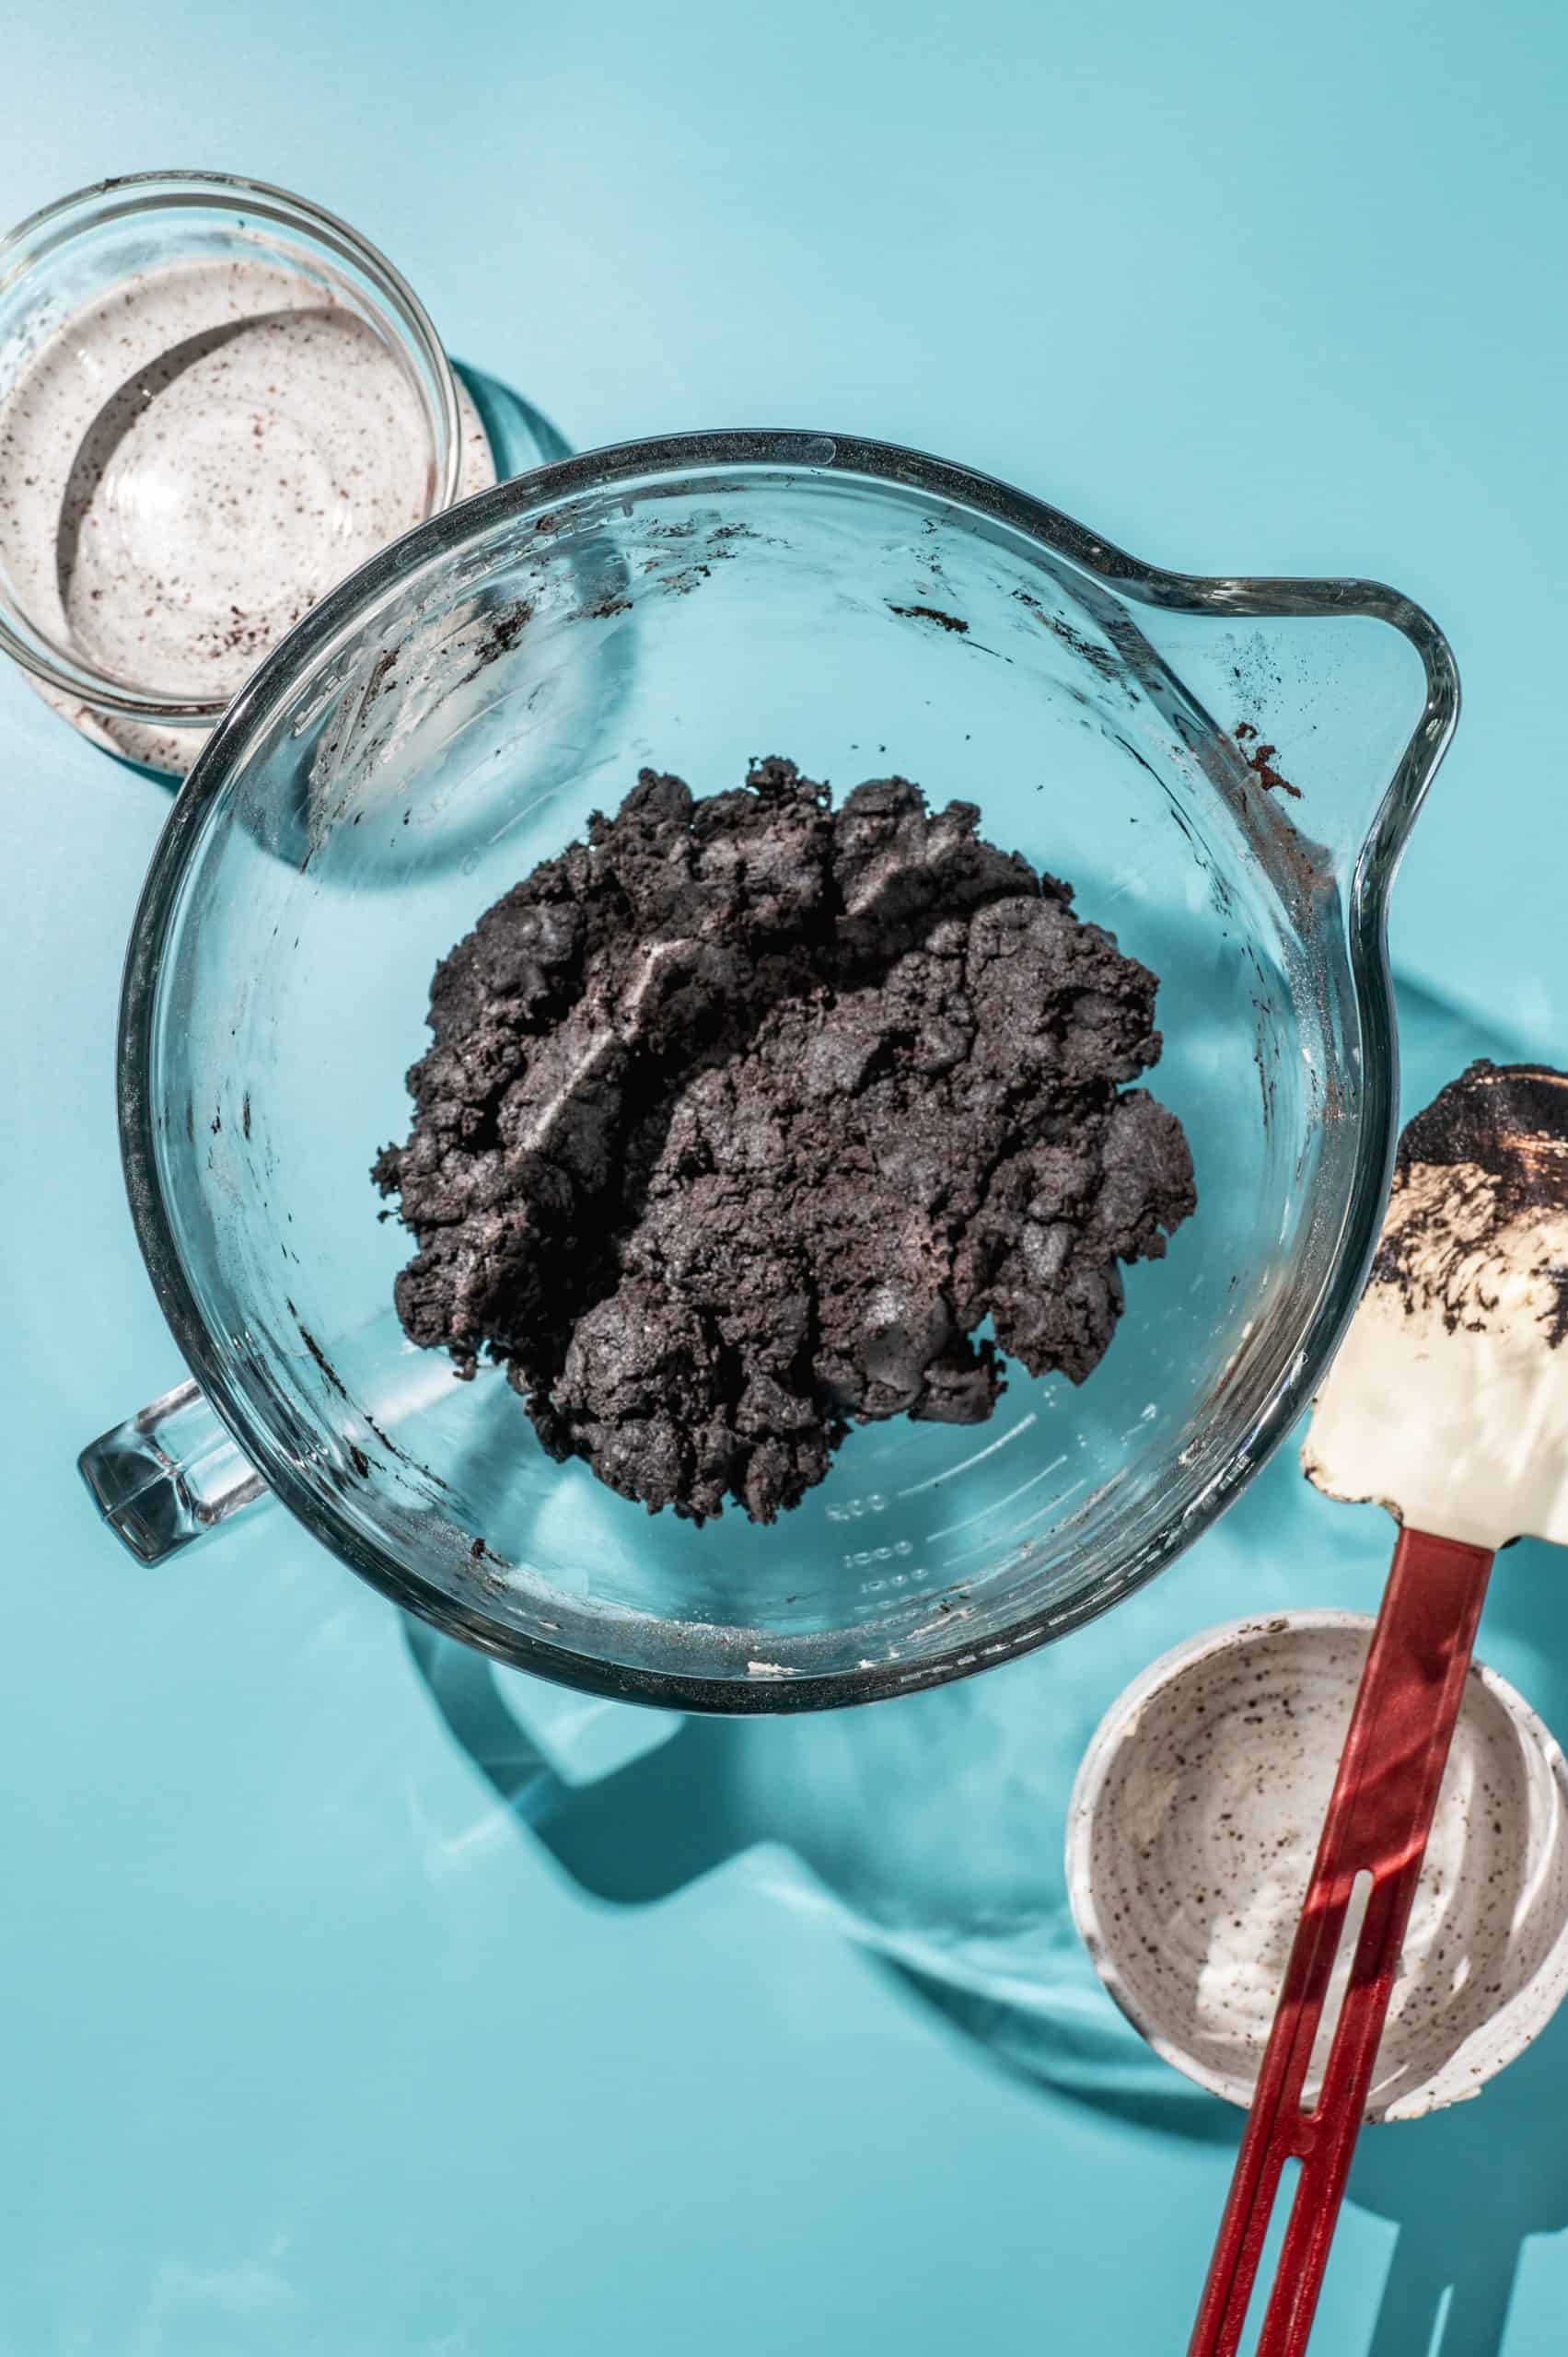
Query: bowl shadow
x,y
1466,2189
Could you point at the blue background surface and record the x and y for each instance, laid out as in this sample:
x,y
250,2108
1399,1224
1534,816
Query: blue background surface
x,y
312,2044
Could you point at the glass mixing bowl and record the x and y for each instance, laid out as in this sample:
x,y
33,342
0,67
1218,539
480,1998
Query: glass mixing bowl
x,y
1224,770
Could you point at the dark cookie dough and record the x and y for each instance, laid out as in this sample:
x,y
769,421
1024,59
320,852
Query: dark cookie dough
x,y
745,1114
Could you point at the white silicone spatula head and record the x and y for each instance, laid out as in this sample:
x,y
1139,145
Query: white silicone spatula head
x,y
1448,1403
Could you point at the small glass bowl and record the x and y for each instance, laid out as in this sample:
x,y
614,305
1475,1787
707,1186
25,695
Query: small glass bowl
x,y
75,258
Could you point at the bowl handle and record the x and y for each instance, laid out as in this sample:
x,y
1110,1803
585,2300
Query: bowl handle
x,y
170,1475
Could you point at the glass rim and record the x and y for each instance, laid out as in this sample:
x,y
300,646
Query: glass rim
x,y
772,451
399,313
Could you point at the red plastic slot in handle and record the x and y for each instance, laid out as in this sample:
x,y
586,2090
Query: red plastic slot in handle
x,y
1378,1820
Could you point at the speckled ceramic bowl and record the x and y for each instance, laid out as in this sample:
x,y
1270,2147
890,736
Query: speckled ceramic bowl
x,y
1192,1832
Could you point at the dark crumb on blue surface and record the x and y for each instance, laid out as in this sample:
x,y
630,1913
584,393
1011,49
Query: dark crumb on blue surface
x,y
931,614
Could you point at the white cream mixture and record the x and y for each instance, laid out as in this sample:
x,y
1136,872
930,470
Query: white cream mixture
x,y
192,461
189,464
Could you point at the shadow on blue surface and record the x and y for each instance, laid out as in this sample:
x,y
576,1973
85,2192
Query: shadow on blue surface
x,y
920,1824
521,436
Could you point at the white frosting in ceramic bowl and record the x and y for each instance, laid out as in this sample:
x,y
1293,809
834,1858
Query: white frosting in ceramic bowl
x,y
1192,1833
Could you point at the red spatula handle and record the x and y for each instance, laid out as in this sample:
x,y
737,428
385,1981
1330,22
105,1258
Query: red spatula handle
x,y
1378,1819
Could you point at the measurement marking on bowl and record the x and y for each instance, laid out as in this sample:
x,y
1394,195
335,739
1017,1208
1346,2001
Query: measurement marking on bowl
x,y
977,1458
996,1505
873,1502
1019,1547
1128,883
948,1618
